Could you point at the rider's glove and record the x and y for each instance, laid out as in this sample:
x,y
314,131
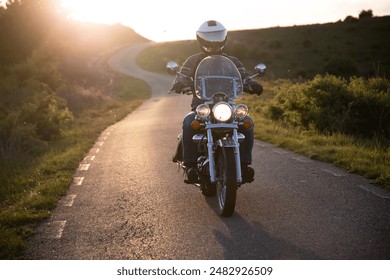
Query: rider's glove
x,y
180,87
253,87
176,87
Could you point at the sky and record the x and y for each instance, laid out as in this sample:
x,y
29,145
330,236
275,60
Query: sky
x,y
172,20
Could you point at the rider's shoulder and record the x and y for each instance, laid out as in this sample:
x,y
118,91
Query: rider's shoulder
x,y
233,58
193,60
196,56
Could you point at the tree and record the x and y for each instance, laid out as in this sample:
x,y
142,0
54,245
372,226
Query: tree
x,y
365,14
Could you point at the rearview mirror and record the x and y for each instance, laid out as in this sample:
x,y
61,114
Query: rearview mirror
x,y
260,69
172,67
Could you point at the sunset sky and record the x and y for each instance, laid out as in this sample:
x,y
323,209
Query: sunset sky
x,y
178,20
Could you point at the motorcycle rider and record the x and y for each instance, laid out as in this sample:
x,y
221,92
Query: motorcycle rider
x,y
211,37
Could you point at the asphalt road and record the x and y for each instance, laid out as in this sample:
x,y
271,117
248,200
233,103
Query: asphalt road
x,y
128,200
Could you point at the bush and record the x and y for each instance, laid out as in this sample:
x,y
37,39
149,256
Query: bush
x,y
371,106
350,19
329,104
365,14
40,67
32,114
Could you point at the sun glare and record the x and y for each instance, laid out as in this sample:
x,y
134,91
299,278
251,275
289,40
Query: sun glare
x,y
143,20
91,11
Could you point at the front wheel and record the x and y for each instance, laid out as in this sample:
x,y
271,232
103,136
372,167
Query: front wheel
x,y
226,181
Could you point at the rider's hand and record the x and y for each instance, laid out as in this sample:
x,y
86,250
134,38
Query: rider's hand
x,y
176,87
187,90
180,87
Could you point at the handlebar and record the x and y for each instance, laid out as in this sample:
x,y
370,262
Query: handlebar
x,y
186,91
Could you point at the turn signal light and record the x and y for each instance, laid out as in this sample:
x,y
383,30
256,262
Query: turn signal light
x,y
195,125
247,124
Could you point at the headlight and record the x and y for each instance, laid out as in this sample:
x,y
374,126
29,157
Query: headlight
x,y
222,111
241,111
203,110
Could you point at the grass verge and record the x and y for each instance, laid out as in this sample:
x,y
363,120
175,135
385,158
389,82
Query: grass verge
x,y
30,186
369,157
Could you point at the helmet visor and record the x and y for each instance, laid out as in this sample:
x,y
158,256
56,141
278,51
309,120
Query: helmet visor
x,y
213,36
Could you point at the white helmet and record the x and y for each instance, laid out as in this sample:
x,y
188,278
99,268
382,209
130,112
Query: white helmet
x,y
211,36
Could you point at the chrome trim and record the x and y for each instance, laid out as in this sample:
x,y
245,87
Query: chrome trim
x,y
240,137
210,150
221,125
197,138
237,155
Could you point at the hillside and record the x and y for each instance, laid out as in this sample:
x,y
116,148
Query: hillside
x,y
346,48
342,48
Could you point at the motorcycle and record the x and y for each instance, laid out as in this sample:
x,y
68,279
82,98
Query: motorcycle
x,y
218,83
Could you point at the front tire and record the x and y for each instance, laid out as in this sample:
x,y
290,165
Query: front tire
x,y
226,181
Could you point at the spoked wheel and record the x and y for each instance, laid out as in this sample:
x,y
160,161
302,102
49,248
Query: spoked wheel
x,y
226,181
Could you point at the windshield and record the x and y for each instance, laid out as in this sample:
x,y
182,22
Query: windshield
x,y
216,74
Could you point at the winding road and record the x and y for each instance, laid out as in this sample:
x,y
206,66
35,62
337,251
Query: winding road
x,y
128,200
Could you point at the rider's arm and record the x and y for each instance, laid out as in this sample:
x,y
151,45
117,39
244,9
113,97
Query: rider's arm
x,y
183,81
250,86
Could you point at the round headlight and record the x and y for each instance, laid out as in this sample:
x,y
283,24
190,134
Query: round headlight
x,y
241,111
203,110
222,111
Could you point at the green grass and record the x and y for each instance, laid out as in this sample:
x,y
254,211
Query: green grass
x,y
30,186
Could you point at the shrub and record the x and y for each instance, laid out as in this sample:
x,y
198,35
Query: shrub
x,y
371,106
350,19
40,67
329,104
32,114
365,14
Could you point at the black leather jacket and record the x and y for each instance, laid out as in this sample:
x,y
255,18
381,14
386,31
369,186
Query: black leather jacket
x,y
189,67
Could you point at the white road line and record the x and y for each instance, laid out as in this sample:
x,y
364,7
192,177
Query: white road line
x,y
84,166
376,191
60,229
262,145
78,180
302,159
68,200
54,229
89,158
280,152
100,143
336,174
97,151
